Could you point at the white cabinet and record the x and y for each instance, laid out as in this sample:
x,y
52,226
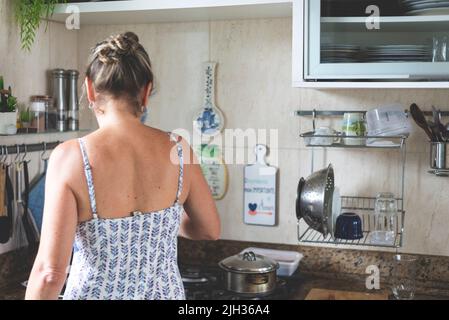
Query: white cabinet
x,y
331,50
151,11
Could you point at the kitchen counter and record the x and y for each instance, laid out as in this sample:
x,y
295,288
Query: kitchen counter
x,y
12,292
321,268
303,281
309,281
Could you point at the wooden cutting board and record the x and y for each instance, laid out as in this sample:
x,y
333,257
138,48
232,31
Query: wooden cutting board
x,y
260,190
324,294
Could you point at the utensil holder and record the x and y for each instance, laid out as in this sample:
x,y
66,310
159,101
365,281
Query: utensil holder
x,y
439,155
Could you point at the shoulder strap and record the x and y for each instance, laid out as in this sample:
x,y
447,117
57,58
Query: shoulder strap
x,y
89,178
181,165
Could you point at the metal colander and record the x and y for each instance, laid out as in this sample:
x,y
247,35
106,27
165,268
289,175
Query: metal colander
x,y
314,199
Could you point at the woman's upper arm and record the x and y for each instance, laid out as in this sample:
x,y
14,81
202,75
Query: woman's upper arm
x,y
199,204
60,211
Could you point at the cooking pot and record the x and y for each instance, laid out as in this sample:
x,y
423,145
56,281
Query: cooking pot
x,y
250,273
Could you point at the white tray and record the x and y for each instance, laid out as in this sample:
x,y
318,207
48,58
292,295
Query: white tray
x,y
288,260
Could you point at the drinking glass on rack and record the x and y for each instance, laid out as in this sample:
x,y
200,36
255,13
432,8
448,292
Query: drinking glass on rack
x,y
404,276
440,49
385,219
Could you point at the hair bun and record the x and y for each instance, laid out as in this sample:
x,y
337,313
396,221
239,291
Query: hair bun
x,y
115,47
131,35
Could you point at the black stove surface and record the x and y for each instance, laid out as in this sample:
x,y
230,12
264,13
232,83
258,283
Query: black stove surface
x,y
207,283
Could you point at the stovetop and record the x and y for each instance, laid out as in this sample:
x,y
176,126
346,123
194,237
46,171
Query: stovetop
x,y
207,283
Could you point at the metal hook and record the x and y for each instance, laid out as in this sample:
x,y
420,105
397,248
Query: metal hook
x,y
7,156
3,158
45,150
25,153
314,119
17,154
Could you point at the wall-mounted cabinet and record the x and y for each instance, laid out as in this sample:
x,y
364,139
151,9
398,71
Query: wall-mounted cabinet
x,y
144,11
333,47
336,44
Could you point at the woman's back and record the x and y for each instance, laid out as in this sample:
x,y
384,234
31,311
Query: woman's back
x,y
134,169
131,256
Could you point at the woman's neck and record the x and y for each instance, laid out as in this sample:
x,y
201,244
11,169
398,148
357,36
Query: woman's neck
x,y
114,113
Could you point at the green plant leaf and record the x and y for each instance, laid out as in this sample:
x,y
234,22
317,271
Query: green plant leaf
x,y
29,14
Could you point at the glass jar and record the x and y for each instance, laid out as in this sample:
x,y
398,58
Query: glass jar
x,y
41,116
385,219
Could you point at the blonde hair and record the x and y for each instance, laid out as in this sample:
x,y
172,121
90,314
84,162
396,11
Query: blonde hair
x,y
120,67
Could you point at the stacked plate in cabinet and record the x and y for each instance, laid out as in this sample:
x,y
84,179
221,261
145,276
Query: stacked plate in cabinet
x,y
398,53
339,53
426,7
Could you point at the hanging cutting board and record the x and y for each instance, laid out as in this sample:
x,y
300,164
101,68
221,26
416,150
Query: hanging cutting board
x,y
214,169
260,191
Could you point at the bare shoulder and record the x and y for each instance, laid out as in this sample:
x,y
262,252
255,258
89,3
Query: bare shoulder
x,y
65,158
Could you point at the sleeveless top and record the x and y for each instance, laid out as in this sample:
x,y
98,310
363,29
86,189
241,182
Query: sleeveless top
x,y
130,258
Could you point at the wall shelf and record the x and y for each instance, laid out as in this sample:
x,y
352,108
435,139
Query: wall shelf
x,y
387,24
144,11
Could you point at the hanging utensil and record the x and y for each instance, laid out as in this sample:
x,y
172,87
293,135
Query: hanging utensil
x,y
439,128
209,122
29,225
36,197
6,221
420,120
435,131
18,228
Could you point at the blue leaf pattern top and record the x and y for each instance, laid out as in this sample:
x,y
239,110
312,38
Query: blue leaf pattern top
x,y
131,258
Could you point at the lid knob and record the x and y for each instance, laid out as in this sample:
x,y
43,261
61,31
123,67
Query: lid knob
x,y
249,256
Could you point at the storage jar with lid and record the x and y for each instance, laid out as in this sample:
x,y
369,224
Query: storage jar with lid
x,y
39,112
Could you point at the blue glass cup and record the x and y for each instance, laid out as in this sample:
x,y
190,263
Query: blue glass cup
x,y
349,227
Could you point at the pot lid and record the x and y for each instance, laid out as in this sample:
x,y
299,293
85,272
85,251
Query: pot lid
x,y
249,262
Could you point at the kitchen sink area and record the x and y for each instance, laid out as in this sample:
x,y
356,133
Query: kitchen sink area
x,y
320,135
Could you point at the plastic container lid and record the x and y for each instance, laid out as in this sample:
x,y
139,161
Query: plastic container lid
x,y
38,106
388,121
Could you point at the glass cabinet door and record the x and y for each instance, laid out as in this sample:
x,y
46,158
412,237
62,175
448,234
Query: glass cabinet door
x,y
383,40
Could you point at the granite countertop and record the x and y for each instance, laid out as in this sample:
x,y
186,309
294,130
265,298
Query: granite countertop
x,y
12,292
321,268
309,281
305,283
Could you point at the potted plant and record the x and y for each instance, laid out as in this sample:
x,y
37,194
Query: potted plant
x,y
29,15
25,118
8,113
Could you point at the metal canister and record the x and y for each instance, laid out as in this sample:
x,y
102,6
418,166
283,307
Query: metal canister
x,y
73,102
439,155
59,78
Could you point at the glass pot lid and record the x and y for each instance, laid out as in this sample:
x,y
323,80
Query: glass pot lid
x,y
249,262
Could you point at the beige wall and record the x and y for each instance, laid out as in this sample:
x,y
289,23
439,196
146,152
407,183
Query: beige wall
x,y
26,72
254,91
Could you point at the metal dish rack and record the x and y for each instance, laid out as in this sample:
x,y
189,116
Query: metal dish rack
x,y
363,206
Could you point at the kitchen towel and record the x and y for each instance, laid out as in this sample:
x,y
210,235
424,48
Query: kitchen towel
x,y
36,198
